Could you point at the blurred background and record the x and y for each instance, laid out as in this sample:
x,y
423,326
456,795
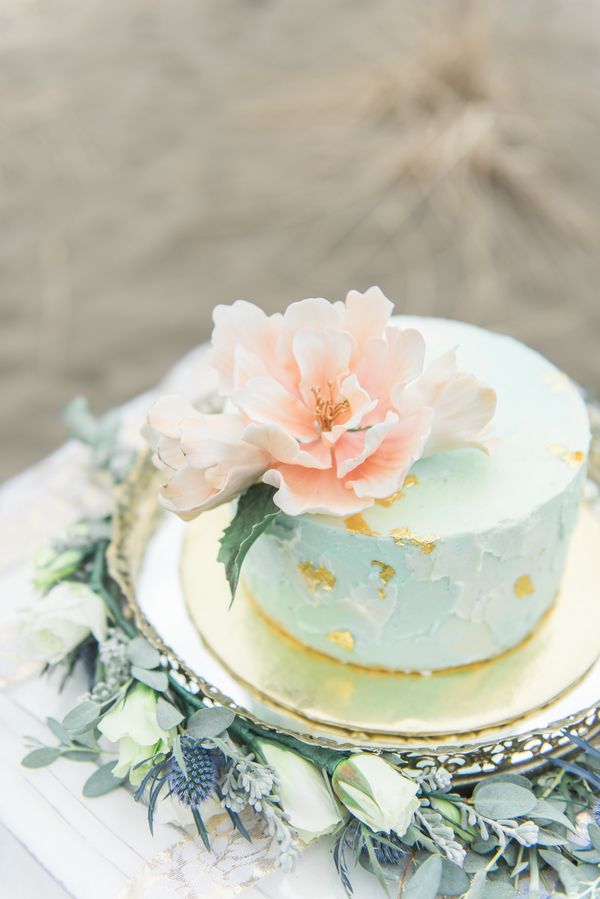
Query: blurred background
x,y
158,158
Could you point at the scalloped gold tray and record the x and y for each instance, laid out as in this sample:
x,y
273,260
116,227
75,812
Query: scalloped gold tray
x,y
323,691
511,711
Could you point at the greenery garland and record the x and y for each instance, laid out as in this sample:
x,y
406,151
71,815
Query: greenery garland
x,y
512,835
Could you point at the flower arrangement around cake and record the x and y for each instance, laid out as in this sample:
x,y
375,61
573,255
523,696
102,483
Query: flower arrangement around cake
x,y
420,835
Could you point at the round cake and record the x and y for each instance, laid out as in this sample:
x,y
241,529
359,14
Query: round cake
x,y
463,561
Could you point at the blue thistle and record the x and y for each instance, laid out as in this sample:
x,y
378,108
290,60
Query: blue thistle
x,y
386,854
202,771
596,812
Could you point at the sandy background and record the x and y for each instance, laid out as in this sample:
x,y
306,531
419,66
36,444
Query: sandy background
x,y
158,158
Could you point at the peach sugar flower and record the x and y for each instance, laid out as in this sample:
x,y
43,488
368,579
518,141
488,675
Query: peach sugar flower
x,y
329,404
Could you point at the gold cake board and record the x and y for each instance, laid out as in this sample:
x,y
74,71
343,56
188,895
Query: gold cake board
x,y
354,704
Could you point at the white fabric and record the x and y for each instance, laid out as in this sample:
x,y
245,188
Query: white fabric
x,y
101,848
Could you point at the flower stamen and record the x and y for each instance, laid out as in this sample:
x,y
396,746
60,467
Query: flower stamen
x,y
327,411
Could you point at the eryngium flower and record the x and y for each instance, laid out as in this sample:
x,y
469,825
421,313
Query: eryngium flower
x,y
201,768
386,854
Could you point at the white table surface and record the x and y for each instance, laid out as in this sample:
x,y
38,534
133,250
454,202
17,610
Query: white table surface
x,y
55,843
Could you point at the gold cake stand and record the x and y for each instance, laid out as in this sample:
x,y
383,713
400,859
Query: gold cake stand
x,y
514,710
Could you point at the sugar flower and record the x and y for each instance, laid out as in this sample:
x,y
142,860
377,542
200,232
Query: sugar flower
x,y
329,404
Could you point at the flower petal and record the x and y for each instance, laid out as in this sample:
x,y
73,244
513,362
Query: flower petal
x,y
282,447
462,406
266,401
322,358
241,324
303,490
388,460
366,314
388,364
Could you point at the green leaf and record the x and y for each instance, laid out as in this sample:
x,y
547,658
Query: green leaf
x,y
482,888
80,755
565,870
454,881
58,730
142,654
210,722
156,680
508,777
102,781
82,717
503,800
425,883
167,715
39,758
594,835
179,756
255,512
547,811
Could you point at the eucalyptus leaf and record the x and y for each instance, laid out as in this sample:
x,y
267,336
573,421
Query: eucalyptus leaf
x,y
594,835
509,777
425,883
142,654
80,755
549,838
102,781
503,800
179,756
210,722
167,715
454,881
255,512
58,730
156,680
39,758
547,811
565,870
82,717
482,888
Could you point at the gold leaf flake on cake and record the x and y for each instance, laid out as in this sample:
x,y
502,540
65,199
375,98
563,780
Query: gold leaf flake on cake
x,y
317,577
524,586
405,537
342,638
386,573
356,524
409,481
574,458
390,500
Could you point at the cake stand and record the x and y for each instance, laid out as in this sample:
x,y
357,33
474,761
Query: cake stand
x,y
515,712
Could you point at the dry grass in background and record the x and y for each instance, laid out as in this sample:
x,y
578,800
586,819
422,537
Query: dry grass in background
x,y
156,159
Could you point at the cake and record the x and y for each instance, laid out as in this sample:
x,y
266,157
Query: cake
x,y
463,562
444,550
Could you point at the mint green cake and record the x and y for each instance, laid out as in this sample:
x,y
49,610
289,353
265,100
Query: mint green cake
x,y
465,560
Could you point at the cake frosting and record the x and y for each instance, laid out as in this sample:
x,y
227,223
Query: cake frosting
x,y
461,563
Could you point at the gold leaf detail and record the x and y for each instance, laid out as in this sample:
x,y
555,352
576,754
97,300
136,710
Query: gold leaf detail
x,y
342,638
317,577
573,458
386,572
404,537
390,500
409,481
524,586
356,524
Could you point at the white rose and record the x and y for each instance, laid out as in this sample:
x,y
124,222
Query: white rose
x,y
61,620
376,793
304,792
